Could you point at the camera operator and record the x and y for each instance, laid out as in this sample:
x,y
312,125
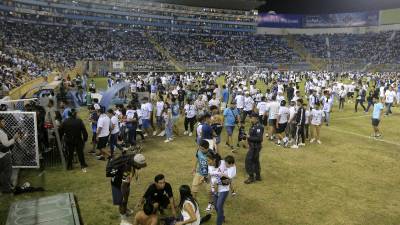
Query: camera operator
x,y
5,158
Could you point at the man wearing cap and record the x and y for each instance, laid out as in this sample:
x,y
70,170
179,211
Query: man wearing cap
x,y
5,158
255,139
120,184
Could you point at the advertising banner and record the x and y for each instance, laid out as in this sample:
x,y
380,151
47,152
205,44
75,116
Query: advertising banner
x,y
118,65
280,20
342,19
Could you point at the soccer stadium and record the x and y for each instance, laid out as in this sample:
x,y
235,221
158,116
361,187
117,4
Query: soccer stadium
x,y
172,112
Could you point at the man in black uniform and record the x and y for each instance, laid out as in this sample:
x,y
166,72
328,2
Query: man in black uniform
x,y
75,138
255,139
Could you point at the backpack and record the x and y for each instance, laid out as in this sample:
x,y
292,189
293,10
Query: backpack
x,y
114,165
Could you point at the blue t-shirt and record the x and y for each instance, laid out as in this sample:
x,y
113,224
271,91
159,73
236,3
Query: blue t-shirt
x,y
378,107
225,95
206,131
230,116
175,109
65,113
202,167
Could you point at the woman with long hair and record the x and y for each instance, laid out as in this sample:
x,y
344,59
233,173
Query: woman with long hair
x,y
189,207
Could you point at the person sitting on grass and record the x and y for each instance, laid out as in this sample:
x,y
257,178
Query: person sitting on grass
x,y
160,195
146,216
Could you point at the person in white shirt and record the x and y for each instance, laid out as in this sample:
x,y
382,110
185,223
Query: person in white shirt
x,y
281,123
390,97
146,110
248,106
114,127
292,121
316,118
273,110
239,99
159,117
327,102
189,207
103,132
214,101
342,98
190,117
262,111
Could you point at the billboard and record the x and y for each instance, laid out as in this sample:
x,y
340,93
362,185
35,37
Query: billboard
x,y
279,20
356,19
118,65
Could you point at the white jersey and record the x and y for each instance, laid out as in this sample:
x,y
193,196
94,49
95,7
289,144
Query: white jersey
x,y
273,110
248,103
283,114
262,108
316,116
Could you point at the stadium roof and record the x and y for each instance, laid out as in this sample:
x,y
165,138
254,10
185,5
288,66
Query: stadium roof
x,y
326,6
219,4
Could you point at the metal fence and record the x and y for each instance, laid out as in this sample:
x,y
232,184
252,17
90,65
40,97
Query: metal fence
x,y
25,151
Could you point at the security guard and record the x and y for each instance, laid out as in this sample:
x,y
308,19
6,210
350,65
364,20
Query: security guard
x,y
75,138
255,139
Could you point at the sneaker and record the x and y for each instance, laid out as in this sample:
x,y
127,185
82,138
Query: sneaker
x,y
233,194
302,144
319,142
161,134
168,140
100,158
209,207
129,212
154,133
312,140
84,170
266,135
145,135
249,180
185,133
294,146
190,134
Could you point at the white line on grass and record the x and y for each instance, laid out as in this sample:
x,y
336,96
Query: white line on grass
x,y
364,136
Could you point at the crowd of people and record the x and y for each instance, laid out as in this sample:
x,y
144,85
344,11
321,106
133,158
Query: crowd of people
x,y
379,48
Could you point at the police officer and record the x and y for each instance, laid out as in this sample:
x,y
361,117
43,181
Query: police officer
x,y
255,139
75,138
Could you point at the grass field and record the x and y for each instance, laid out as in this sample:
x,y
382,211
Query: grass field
x,y
349,179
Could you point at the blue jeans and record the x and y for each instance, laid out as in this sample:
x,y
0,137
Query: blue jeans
x,y
132,133
168,130
219,200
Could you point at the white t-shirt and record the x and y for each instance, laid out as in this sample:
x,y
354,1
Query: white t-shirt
x,y
248,103
316,116
262,108
273,109
160,107
292,113
104,122
283,114
114,121
390,95
190,111
146,109
307,120
214,102
239,101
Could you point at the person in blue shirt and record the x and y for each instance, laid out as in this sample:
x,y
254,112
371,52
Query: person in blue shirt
x,y
225,96
65,110
200,169
207,133
376,116
175,115
231,117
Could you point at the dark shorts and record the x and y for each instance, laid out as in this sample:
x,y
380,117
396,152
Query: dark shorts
x,y
263,120
117,196
281,127
229,130
94,138
102,142
375,122
272,122
146,123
